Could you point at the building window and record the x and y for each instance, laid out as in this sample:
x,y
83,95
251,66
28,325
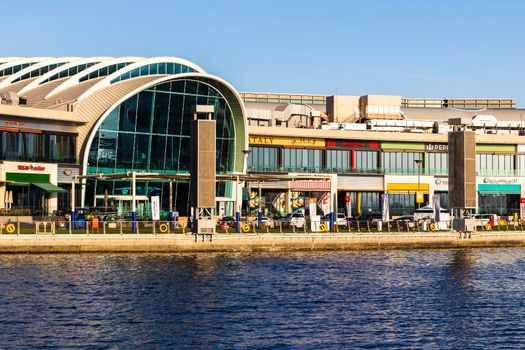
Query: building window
x,y
494,164
401,162
38,147
302,160
365,161
338,161
437,163
263,159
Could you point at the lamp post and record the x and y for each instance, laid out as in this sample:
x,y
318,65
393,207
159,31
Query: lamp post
x,y
418,162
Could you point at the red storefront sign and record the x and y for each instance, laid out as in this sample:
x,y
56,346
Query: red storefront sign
x,y
352,144
347,199
522,200
31,167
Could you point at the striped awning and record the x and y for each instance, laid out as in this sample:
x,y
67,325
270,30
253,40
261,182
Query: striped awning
x,y
310,185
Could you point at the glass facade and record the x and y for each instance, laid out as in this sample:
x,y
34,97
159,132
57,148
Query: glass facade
x,y
39,71
303,160
500,204
154,68
365,161
495,164
104,71
15,69
521,164
437,163
338,161
38,147
263,159
69,72
402,204
150,132
401,162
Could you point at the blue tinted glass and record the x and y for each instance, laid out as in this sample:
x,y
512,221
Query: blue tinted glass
x,y
153,68
144,112
144,70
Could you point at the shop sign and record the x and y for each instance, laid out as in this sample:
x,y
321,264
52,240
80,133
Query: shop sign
x,y
15,123
286,141
347,198
499,181
155,208
436,147
352,144
31,167
441,184
419,197
522,200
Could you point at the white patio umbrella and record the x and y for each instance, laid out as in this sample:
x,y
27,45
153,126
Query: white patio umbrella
x,y
437,208
386,208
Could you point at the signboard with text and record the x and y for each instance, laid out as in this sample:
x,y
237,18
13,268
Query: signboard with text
x,y
155,208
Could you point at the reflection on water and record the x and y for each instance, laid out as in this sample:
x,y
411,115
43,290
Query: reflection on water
x,y
445,299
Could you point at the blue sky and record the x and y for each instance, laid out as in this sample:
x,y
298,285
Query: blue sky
x,y
409,48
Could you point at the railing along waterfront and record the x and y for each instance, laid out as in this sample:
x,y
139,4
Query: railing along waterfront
x,y
264,226
248,227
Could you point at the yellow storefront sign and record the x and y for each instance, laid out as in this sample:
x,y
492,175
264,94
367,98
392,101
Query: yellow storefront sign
x,y
406,188
287,141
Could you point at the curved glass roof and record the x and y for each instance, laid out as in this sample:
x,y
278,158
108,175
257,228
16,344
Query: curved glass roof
x,y
154,68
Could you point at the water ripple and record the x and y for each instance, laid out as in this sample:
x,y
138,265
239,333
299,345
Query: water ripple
x,y
436,299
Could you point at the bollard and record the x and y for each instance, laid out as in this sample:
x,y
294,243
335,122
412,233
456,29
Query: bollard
x,y
120,226
304,228
358,227
397,222
18,228
293,228
104,227
368,225
281,227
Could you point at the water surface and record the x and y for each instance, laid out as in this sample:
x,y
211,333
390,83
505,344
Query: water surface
x,y
445,299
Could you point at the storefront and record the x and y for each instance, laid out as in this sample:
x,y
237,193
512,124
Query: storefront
x,y
29,188
362,192
403,193
499,195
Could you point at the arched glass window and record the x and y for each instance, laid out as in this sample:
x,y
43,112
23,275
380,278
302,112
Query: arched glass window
x,y
104,71
15,69
39,71
155,68
150,132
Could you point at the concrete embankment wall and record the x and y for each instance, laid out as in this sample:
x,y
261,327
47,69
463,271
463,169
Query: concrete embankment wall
x,y
249,243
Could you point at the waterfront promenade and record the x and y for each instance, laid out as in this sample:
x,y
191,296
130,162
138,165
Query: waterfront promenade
x,y
79,243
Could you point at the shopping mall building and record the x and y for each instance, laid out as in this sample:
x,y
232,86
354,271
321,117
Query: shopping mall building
x,y
70,116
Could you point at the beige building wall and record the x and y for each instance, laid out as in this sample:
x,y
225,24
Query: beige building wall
x,y
380,107
342,109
